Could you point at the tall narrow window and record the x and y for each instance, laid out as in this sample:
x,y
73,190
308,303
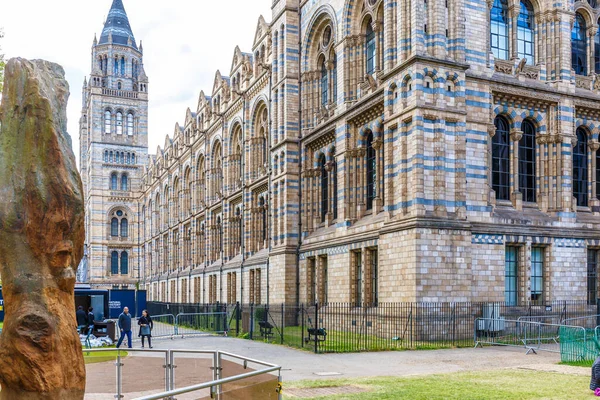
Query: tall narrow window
x,y
592,276
124,228
124,263
499,29
579,46
580,168
114,184
122,65
324,188
106,156
374,278
370,47
525,32
114,263
124,183
371,171
324,83
116,66
263,212
114,227
133,159
358,278
119,123
537,274
597,51
335,190
334,74
527,162
312,284
510,276
130,124
501,159
107,122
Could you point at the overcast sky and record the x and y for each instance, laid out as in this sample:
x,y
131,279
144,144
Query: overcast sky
x,y
185,42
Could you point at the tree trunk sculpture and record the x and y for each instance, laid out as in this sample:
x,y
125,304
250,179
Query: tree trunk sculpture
x,y
41,236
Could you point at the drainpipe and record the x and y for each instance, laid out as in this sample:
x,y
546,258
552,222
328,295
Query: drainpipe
x,y
222,213
243,210
270,178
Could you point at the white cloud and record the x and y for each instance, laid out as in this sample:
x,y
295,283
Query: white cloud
x,y
185,42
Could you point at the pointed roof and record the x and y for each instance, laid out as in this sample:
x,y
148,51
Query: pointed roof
x,y
117,26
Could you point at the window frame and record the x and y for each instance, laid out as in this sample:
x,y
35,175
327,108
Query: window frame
x,y
526,32
537,274
370,49
592,277
499,29
527,162
501,159
579,45
511,275
580,168
371,171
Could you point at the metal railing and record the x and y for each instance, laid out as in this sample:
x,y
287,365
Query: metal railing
x,y
530,335
163,326
217,367
189,324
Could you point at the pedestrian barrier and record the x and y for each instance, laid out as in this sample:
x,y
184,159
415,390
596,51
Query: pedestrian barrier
x,y
163,326
572,342
188,324
588,321
207,373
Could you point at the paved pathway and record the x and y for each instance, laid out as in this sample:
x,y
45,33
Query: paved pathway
x,y
299,364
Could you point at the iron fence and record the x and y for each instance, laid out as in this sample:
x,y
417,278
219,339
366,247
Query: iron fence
x,y
345,327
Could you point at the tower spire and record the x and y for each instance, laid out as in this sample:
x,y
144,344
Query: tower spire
x,y
117,26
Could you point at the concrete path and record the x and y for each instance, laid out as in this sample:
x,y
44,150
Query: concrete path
x,y
299,364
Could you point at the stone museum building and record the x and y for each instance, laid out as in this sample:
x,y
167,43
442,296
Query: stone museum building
x,y
361,151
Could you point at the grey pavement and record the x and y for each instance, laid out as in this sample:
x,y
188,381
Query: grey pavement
x,y
298,364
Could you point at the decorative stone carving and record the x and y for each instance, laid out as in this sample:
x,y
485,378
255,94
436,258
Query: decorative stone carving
x,y
516,135
41,237
491,130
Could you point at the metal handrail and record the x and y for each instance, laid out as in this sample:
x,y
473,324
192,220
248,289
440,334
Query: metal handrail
x,y
206,385
266,364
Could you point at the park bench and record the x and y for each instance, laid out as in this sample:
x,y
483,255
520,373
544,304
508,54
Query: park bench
x,y
318,334
266,329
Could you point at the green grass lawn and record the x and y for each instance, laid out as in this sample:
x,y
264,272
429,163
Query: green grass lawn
x,y
494,385
344,342
104,356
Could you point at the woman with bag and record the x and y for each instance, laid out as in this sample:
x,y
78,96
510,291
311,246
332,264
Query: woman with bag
x,y
146,325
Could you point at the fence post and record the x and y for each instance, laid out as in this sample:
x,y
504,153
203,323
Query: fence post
x,y
316,327
119,366
251,321
237,318
597,312
282,320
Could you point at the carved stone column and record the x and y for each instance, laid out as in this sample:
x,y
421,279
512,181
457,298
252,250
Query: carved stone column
x,y
378,200
360,186
516,196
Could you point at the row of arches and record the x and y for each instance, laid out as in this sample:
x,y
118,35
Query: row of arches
x,y
119,157
115,122
516,37
119,65
526,161
119,224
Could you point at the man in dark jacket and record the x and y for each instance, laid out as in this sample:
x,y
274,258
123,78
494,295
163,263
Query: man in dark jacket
x,y
81,319
124,324
90,318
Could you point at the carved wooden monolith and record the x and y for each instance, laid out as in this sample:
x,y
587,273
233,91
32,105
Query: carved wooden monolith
x,y
41,236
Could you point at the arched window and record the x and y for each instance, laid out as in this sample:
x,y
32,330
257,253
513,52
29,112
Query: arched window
x,y
324,187
263,213
124,228
124,182
133,158
119,123
124,263
371,171
130,124
527,162
334,77
114,181
335,190
324,83
579,46
122,65
107,122
499,29
114,263
114,227
525,32
106,156
597,51
501,159
128,158
370,47
116,66
580,168
238,214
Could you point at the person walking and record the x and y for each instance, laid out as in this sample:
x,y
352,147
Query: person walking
x,y
90,319
124,323
146,325
81,319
